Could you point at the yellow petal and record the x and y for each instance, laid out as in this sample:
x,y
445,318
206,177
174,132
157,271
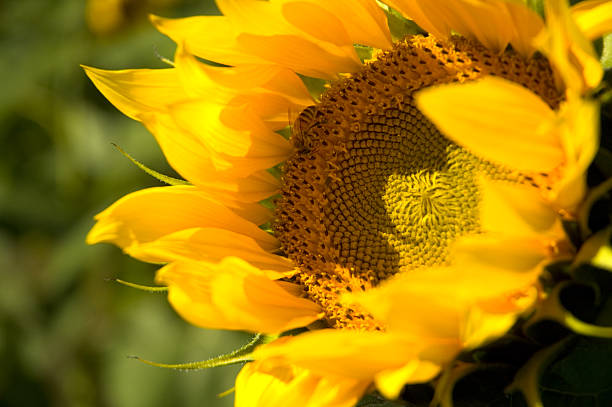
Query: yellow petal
x,y
302,56
234,131
405,304
417,11
469,308
356,354
364,21
234,295
410,310
579,123
240,38
225,83
391,382
145,94
570,52
520,254
482,327
527,25
230,132
251,211
313,19
324,45
594,17
149,214
188,154
258,385
209,244
516,210
497,120
138,91
210,37
466,17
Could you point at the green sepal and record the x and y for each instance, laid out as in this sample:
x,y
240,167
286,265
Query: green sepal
x,y
364,52
603,159
376,400
399,26
597,250
235,357
606,52
552,309
537,6
594,195
315,86
159,176
141,287
527,379
443,395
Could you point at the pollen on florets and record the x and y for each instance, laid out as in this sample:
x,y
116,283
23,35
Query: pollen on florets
x,y
374,188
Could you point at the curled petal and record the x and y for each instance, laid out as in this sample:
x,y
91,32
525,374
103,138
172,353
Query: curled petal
x,y
517,210
209,244
439,17
355,354
235,295
289,38
189,155
138,91
150,214
497,120
594,17
364,21
570,52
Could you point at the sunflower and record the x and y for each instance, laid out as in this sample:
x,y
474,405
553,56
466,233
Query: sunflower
x,y
380,224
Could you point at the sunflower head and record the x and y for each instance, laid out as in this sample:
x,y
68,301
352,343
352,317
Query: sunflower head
x,y
409,214
374,188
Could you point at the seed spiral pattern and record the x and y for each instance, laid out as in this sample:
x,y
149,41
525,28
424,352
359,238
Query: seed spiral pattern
x,y
374,188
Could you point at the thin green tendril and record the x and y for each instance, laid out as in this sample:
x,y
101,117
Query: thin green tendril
x,y
159,176
237,356
141,287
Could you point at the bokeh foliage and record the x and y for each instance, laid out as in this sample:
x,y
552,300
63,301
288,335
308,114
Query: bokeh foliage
x,y
65,331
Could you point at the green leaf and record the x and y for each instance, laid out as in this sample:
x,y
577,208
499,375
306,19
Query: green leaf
x,y
553,309
446,384
580,376
527,379
603,161
376,400
592,217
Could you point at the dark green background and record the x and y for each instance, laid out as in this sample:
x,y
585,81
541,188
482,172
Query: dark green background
x,y
65,332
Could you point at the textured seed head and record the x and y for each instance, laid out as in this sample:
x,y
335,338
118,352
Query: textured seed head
x,y
374,188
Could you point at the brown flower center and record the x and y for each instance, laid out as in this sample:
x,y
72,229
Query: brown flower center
x,y
374,188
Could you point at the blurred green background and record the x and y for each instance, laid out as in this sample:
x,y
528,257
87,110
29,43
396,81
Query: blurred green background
x,y
65,331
